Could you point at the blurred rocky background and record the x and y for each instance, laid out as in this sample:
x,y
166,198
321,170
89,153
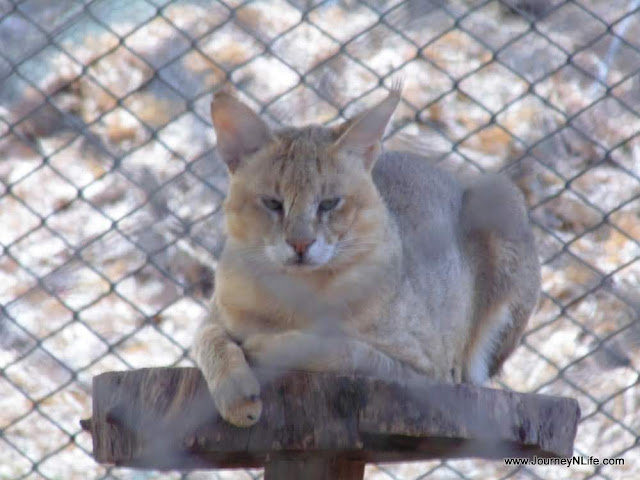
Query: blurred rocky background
x,y
110,187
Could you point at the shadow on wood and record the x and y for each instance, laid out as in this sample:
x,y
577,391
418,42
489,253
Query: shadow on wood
x,y
318,426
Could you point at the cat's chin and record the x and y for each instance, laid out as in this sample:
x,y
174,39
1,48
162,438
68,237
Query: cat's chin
x,y
302,268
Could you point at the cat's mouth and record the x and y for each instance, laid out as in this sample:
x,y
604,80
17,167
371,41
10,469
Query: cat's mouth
x,y
301,263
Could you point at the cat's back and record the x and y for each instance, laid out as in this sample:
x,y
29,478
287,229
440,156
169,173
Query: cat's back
x,y
416,192
435,293
425,203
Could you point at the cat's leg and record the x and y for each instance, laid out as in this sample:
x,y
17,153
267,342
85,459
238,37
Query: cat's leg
x,y
488,336
232,384
500,245
295,349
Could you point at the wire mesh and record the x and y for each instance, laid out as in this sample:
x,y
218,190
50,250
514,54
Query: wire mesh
x,y
110,188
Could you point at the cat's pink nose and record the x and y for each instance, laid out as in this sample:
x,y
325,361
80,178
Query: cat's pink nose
x,y
300,245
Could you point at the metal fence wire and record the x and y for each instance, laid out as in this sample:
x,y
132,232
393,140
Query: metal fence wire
x,y
110,188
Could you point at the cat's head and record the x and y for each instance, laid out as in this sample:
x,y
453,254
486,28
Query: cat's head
x,y
302,199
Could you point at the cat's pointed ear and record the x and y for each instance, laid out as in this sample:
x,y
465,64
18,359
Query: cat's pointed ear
x,y
240,132
364,133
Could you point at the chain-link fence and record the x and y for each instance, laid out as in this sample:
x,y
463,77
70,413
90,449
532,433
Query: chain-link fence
x,y
110,188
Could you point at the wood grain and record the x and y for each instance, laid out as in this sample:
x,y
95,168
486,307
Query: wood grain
x,y
164,418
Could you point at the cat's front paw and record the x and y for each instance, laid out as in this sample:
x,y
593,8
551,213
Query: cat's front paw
x,y
237,397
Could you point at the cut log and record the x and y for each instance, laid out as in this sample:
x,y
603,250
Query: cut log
x,y
318,425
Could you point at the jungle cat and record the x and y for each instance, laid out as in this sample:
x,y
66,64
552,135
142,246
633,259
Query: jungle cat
x,y
341,258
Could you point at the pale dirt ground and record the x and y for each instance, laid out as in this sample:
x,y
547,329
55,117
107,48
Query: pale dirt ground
x,y
100,284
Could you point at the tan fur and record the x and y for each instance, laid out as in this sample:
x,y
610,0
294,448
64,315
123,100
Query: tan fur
x,y
411,272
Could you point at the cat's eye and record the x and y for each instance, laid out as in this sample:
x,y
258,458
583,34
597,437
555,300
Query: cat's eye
x,y
272,204
328,204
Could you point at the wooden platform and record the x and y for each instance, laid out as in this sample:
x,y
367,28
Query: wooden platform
x,y
318,425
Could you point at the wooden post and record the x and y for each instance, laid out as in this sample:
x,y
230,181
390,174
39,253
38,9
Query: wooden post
x,y
318,426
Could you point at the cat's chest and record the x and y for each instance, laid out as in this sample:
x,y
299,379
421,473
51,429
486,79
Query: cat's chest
x,y
252,305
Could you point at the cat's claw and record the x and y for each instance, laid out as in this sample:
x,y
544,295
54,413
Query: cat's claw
x,y
237,397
